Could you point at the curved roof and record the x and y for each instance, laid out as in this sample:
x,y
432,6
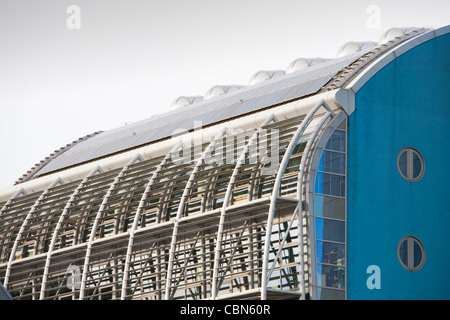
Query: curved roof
x,y
147,218
328,75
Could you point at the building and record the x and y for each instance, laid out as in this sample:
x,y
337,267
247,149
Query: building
x,y
318,182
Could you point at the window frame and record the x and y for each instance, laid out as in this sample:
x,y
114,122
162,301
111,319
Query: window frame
x,y
410,151
410,253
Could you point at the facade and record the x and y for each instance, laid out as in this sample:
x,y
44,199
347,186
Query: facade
x,y
318,182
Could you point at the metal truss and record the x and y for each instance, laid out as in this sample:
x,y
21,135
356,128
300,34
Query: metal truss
x,y
215,222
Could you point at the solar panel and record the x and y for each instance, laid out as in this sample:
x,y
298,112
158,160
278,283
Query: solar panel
x,y
272,92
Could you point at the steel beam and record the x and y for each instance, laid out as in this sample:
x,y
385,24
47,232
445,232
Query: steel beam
x,y
98,216
137,217
299,132
24,224
58,227
219,136
226,201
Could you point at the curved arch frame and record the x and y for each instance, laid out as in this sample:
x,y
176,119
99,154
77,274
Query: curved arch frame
x,y
14,196
97,217
24,224
137,216
305,123
226,201
322,141
57,229
181,209
299,208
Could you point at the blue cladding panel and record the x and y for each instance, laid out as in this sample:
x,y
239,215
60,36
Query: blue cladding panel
x,y
406,104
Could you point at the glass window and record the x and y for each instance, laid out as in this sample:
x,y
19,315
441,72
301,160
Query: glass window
x,y
331,294
333,162
330,253
329,207
329,217
330,184
330,276
403,252
410,164
336,141
331,230
402,167
411,253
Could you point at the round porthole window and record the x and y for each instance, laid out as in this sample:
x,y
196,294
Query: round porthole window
x,y
411,253
410,164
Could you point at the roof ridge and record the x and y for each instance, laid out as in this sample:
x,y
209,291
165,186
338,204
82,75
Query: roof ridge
x,y
349,72
38,166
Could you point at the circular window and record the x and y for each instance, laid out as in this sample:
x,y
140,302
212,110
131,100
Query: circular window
x,y
410,164
411,253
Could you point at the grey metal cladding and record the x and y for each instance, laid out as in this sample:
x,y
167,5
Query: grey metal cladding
x,y
272,92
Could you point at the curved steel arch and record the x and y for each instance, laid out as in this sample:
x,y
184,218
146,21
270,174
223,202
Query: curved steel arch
x,y
305,123
137,216
181,209
14,196
226,201
24,224
97,217
58,227
322,141
299,208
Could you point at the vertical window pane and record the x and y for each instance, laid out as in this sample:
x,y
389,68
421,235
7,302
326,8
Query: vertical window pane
x,y
403,252
330,230
330,276
330,294
330,184
417,254
417,165
410,164
330,253
329,207
332,162
411,253
402,163
337,141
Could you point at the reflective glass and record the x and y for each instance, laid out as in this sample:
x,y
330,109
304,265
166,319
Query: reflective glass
x,y
402,163
403,252
293,165
336,141
330,184
330,276
342,125
417,166
411,253
332,162
331,230
330,253
329,207
417,254
330,294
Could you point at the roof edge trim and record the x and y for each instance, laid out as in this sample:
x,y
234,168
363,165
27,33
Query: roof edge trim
x,y
38,166
283,111
360,80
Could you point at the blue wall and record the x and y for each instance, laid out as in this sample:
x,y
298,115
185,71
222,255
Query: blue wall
x,y
407,103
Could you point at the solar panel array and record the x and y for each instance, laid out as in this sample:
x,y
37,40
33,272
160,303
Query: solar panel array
x,y
271,92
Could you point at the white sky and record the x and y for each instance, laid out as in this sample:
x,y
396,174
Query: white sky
x,y
131,58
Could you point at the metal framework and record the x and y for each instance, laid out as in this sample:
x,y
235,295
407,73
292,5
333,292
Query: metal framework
x,y
213,222
309,189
